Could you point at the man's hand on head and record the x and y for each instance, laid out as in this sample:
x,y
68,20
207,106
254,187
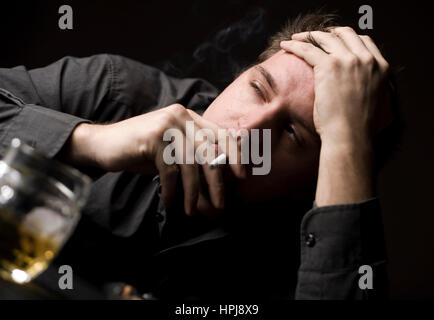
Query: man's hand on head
x,y
349,73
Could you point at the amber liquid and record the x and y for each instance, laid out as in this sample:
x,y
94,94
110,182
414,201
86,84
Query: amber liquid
x,y
23,253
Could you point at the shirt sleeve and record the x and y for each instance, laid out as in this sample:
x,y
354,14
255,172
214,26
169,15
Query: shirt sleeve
x,y
42,106
42,128
343,253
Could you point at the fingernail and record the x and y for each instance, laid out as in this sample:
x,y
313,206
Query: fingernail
x,y
219,202
189,211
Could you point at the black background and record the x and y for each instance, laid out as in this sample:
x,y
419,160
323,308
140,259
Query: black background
x,y
212,39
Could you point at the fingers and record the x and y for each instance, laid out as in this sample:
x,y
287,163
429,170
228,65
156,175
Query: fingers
x,y
190,183
339,41
306,51
362,46
202,139
227,142
353,41
205,152
214,178
372,47
329,42
168,178
195,151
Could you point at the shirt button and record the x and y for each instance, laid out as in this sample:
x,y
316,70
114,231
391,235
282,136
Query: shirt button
x,y
310,240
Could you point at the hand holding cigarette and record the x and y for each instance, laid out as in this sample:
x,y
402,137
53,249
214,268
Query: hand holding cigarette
x,y
137,144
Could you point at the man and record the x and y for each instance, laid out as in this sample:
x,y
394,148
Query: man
x,y
321,94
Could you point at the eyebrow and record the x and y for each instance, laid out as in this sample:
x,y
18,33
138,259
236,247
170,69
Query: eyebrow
x,y
268,77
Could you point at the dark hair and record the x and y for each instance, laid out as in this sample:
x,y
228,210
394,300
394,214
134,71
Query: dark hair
x,y
385,142
301,23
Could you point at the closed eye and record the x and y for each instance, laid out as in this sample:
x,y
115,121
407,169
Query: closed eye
x,y
258,90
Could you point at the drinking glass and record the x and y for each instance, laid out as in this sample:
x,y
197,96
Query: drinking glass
x,y
40,203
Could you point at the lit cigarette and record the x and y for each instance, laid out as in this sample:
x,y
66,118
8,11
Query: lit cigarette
x,y
221,159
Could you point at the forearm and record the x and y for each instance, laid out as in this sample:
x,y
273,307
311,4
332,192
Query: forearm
x,y
80,149
104,146
111,147
345,172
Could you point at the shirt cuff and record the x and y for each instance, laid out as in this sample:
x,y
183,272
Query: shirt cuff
x,y
44,129
342,237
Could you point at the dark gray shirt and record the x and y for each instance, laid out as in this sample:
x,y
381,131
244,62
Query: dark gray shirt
x,y
273,250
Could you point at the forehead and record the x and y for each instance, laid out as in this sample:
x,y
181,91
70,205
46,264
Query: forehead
x,y
294,79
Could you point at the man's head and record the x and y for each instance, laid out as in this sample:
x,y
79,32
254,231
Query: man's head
x,y
277,93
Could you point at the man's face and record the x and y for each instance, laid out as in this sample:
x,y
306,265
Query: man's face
x,y
277,94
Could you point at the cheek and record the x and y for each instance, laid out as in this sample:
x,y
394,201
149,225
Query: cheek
x,y
234,105
216,109
224,110
292,170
